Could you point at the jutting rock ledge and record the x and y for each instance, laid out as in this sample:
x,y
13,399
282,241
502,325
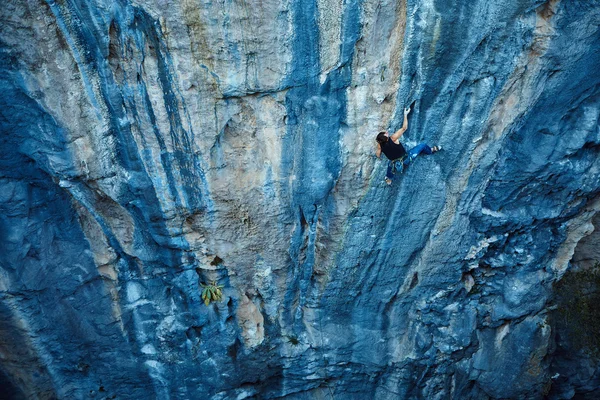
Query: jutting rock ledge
x,y
151,146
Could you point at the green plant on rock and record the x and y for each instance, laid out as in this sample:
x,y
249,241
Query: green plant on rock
x,y
211,292
293,340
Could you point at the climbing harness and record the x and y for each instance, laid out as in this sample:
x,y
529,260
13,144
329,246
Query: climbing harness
x,y
398,164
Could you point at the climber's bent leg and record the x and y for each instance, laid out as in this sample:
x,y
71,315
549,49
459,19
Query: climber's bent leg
x,y
418,149
390,171
394,167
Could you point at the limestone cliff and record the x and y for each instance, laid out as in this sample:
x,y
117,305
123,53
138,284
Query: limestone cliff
x,y
151,146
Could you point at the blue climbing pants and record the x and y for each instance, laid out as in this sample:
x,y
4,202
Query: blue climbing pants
x,y
398,165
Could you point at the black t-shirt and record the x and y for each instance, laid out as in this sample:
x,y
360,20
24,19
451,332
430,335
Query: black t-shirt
x,y
393,150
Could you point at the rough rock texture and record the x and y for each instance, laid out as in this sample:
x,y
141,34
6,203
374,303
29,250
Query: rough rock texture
x,y
151,145
575,371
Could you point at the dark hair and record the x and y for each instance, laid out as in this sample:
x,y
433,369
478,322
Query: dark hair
x,y
382,138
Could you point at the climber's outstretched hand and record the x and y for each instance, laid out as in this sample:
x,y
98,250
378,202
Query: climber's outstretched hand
x,y
404,127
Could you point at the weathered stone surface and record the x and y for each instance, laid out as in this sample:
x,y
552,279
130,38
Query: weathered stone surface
x,y
149,146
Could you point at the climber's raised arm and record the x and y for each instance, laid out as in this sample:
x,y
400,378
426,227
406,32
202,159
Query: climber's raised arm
x,y
378,149
401,131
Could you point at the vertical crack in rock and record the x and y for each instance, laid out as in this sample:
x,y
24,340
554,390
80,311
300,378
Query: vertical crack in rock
x,y
316,119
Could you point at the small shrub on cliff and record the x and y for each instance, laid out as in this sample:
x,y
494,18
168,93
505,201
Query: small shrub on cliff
x,y
578,306
211,292
293,340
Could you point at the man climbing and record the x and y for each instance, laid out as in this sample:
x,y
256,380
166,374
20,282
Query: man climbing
x,y
395,152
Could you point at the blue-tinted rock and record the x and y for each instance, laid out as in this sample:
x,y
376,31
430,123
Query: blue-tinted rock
x,y
148,148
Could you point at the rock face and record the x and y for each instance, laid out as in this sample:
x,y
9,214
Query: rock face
x,y
149,146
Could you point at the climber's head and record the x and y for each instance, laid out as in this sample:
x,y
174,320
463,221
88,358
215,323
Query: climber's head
x,y
382,138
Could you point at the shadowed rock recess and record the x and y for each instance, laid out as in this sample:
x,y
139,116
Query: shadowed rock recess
x,y
151,146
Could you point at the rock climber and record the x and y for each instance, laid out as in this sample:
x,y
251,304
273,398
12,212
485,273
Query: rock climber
x,y
395,152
